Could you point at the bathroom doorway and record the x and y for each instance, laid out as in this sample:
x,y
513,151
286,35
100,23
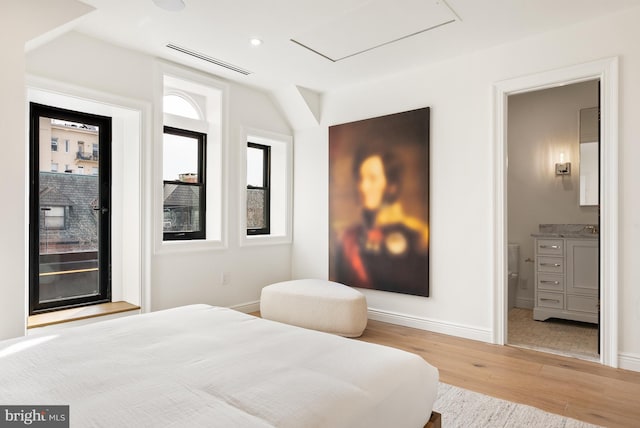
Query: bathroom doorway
x,y
552,227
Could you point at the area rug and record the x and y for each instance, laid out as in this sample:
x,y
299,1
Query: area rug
x,y
463,408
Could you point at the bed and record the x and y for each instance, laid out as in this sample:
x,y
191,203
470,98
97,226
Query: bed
x,y
208,366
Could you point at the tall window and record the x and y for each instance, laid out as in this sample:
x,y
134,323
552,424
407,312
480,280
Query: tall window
x,y
70,216
189,205
184,192
258,189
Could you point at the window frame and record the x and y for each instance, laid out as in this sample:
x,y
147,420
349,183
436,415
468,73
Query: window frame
x,y
200,234
281,187
266,186
211,97
104,260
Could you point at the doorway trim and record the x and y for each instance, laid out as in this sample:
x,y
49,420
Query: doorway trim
x,y
606,70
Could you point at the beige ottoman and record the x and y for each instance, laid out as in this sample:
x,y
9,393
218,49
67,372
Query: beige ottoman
x,y
316,304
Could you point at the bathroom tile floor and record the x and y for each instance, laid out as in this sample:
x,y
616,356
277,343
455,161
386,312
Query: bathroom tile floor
x,y
570,338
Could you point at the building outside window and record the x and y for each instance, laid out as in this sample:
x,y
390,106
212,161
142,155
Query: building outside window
x,y
54,144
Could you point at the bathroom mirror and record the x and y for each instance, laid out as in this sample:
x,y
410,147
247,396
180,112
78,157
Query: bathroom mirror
x,y
589,156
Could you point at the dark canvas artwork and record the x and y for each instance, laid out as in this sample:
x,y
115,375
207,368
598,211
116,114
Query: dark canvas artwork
x,y
379,203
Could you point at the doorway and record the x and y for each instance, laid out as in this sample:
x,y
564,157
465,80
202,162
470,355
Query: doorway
x,y
606,72
70,200
552,229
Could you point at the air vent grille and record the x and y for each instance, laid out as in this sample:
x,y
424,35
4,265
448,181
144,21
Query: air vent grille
x,y
209,59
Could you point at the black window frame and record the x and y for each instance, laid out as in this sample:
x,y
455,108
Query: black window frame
x,y
266,187
200,234
103,208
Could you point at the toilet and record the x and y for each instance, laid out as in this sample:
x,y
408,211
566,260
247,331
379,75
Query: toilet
x,y
513,273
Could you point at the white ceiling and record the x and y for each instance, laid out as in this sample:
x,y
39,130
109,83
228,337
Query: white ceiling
x,y
358,39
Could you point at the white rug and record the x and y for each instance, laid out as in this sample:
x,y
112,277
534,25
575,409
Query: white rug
x,y
463,408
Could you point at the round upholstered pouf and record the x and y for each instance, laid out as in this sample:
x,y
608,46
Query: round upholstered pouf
x,y
316,304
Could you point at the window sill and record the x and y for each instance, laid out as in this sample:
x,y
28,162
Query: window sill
x,y
250,240
75,314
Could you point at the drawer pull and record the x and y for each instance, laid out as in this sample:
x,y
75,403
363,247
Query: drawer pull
x,y
551,264
555,247
542,299
550,282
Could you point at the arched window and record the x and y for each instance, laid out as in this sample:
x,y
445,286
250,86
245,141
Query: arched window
x,y
180,106
191,161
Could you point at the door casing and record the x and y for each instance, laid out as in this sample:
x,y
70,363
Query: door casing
x,y
605,70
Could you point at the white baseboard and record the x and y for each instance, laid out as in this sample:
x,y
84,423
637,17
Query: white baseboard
x,y
248,307
467,332
629,362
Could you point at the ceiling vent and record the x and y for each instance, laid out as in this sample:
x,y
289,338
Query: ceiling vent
x,y
209,59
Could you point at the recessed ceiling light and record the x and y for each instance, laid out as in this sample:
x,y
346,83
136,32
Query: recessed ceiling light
x,y
171,5
255,42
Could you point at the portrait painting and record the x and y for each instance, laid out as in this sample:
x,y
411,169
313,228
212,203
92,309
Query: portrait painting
x,y
379,203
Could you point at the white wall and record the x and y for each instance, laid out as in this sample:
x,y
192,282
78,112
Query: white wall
x,y
20,22
462,188
187,277
543,124
13,183
183,277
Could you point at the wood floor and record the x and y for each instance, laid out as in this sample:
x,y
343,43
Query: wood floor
x,y
566,386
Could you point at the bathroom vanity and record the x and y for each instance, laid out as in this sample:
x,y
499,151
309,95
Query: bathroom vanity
x,y
566,273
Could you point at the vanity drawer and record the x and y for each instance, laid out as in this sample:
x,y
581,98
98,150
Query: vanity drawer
x,y
582,303
551,264
550,282
550,300
550,247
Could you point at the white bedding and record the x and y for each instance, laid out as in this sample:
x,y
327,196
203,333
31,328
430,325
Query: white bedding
x,y
214,367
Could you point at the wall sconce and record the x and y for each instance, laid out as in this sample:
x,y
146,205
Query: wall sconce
x,y
563,168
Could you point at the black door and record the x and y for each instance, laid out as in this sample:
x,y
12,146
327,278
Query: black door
x,y
70,200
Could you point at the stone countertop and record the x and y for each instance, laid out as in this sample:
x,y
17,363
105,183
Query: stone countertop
x,y
573,231
566,235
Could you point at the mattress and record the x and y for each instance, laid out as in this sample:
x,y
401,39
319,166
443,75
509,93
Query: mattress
x,y
208,366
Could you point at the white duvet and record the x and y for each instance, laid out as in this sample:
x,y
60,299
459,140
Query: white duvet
x,y
204,366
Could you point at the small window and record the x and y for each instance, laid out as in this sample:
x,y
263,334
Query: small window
x,y
54,144
66,146
184,201
258,189
54,167
53,218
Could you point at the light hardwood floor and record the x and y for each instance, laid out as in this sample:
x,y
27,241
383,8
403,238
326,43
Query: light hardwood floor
x,y
566,386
